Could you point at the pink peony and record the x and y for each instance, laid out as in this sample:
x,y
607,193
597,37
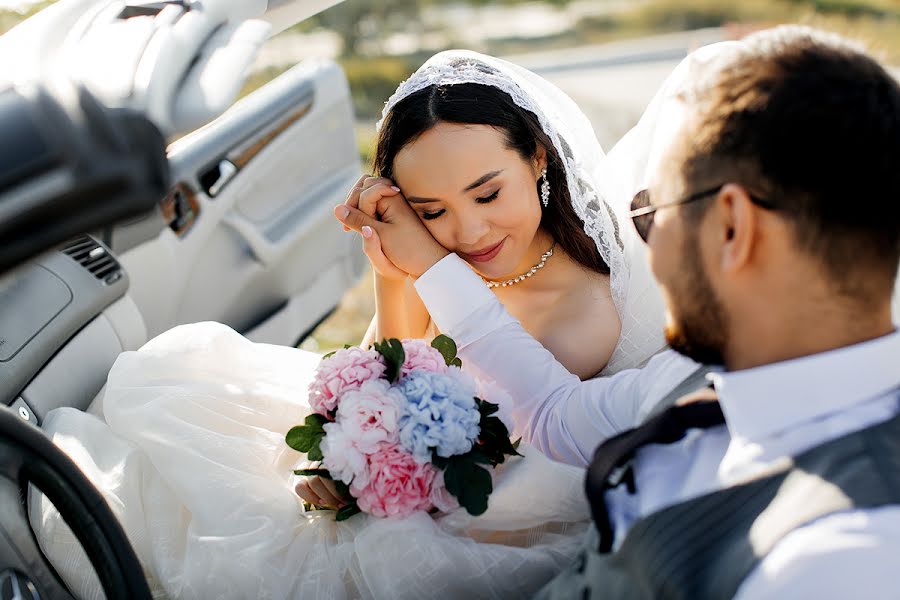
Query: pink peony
x,y
346,370
398,485
443,500
420,355
369,415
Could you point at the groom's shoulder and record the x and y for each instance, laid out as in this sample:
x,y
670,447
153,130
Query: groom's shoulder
x,y
852,554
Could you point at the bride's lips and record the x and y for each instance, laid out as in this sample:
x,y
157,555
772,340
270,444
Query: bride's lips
x,y
486,254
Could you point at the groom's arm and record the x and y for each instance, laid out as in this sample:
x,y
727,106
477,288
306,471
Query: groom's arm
x,y
552,409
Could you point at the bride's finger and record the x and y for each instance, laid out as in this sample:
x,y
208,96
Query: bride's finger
x,y
352,198
305,492
317,485
370,196
373,251
371,181
359,185
332,489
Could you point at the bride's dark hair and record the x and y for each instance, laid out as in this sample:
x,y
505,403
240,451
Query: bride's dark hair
x,y
478,104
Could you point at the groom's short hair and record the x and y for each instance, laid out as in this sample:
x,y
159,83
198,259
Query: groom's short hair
x,y
809,121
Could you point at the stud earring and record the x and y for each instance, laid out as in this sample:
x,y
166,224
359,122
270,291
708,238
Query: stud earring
x,y
545,189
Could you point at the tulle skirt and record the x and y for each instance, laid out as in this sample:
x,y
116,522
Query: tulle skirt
x,y
188,450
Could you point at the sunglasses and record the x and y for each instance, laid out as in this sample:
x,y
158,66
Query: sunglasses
x,y
642,211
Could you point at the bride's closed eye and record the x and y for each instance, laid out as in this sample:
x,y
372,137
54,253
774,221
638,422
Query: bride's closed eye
x,y
489,198
428,216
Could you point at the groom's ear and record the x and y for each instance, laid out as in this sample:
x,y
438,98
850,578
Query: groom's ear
x,y
737,227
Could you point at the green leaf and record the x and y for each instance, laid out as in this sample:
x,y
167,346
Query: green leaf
x,y
316,420
486,408
477,456
315,453
305,438
471,483
323,473
329,355
439,461
456,363
347,346
447,347
515,446
300,438
394,356
343,489
347,511
493,438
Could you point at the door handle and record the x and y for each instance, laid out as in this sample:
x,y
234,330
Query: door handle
x,y
214,180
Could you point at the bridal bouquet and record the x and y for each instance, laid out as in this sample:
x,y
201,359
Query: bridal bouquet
x,y
401,428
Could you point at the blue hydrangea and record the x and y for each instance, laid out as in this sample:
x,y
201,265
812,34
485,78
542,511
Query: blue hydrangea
x,y
440,415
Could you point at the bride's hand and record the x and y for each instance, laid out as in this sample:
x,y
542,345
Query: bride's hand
x,y
318,491
383,217
365,196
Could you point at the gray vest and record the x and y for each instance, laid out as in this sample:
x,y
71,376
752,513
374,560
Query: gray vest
x,y
706,547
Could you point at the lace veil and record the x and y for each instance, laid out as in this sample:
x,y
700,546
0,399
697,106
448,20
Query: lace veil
x,y
600,195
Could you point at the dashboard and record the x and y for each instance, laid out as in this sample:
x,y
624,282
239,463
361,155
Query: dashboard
x,y
64,318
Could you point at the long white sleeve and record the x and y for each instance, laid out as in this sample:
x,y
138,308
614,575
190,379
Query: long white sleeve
x,y
552,409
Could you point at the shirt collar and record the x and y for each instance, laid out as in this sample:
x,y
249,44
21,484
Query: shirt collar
x,y
763,401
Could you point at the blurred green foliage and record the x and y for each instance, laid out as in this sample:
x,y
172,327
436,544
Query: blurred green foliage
x,y
874,22
372,80
11,18
854,8
368,22
357,20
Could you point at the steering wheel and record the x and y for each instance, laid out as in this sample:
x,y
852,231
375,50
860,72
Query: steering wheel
x,y
28,456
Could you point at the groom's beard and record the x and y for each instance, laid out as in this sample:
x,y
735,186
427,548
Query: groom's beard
x,y
697,325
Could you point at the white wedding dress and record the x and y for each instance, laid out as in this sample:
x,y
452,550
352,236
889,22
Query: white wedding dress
x,y
188,445
192,460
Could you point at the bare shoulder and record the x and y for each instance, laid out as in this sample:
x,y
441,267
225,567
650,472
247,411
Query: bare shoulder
x,y
584,328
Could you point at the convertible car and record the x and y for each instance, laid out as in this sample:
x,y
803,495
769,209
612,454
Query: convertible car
x,y
111,235
112,232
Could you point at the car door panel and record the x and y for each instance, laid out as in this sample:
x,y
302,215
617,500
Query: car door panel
x,y
251,240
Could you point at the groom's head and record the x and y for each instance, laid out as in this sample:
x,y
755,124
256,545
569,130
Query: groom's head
x,y
785,235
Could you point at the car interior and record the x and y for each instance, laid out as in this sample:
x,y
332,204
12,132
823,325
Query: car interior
x,y
231,229
231,241
114,234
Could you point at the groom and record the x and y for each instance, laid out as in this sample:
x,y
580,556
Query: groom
x,y
773,226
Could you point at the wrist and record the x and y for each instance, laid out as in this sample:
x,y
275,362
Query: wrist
x,y
431,258
389,286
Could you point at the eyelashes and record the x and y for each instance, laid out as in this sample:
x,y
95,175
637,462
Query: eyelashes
x,y
428,216
487,199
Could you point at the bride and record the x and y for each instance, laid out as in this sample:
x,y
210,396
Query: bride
x,y
189,449
504,207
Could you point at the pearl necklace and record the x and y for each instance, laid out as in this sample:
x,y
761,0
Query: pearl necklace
x,y
526,274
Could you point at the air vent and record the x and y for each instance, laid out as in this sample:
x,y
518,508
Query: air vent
x,y
95,258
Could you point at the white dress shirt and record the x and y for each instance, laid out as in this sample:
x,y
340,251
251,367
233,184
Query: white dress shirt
x,y
771,412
